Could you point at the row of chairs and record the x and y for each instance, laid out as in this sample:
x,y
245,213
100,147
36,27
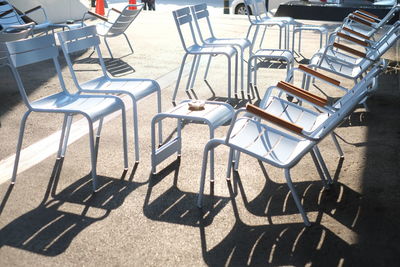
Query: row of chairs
x,y
94,106
280,132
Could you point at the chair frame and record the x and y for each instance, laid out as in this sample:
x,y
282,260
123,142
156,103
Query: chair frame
x,y
38,49
119,25
87,37
182,17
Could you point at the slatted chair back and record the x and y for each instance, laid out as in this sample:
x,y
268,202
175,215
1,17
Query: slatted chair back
x,y
184,23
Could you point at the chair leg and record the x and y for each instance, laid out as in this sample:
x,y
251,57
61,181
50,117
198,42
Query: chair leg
x,y
93,156
135,131
336,142
229,77
236,74
296,197
19,145
193,72
207,68
108,48
124,138
241,70
229,167
159,110
237,159
210,145
64,136
129,43
319,169
179,79
323,165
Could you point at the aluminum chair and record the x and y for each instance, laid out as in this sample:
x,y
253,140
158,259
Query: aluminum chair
x,y
259,16
114,27
364,24
281,143
137,89
93,108
10,17
207,36
184,23
352,63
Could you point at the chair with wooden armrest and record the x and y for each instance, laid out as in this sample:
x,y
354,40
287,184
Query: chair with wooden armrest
x,y
109,28
10,17
282,143
366,24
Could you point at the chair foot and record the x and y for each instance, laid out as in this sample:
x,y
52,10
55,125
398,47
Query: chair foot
x,y
136,162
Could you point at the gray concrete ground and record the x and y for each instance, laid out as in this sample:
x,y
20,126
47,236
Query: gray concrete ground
x,y
51,218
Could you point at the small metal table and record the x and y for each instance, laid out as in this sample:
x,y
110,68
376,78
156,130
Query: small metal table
x,y
214,115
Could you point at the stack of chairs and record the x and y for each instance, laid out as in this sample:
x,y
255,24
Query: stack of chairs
x,y
280,131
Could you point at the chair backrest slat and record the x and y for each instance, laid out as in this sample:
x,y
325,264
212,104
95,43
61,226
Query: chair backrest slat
x,y
79,39
123,21
32,50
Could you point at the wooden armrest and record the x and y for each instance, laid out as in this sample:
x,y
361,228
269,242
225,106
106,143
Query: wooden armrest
x,y
97,15
355,33
369,14
276,120
116,10
361,16
350,50
319,75
6,13
352,39
33,9
300,92
354,18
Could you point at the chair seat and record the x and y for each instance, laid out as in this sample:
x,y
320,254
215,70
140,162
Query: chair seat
x,y
266,143
94,106
139,88
305,118
197,49
268,21
242,42
274,54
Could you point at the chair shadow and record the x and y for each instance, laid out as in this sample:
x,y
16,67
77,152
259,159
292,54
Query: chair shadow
x,y
179,207
50,228
275,245
115,66
340,202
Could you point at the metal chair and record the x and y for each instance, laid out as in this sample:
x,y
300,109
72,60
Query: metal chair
x,y
207,36
259,16
183,19
114,27
282,143
137,89
10,17
93,108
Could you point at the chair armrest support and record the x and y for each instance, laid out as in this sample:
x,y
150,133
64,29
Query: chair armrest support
x,y
6,13
97,15
352,39
361,16
32,9
319,75
373,16
350,50
300,92
116,10
355,33
276,120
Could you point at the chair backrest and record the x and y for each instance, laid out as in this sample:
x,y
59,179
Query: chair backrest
x,y
8,15
389,15
125,18
202,21
78,40
30,51
256,8
184,23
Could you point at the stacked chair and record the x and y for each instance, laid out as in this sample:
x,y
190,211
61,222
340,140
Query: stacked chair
x,y
280,132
